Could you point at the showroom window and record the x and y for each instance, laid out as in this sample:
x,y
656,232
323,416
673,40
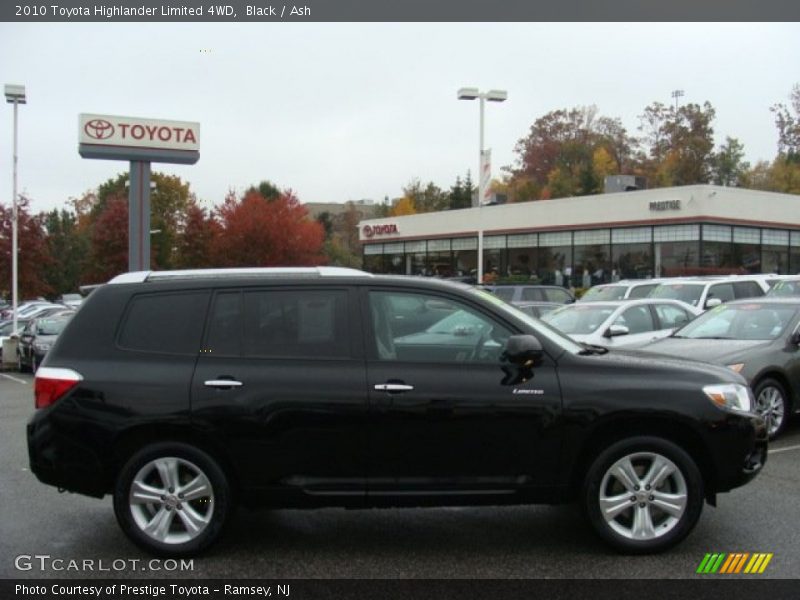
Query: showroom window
x,y
676,250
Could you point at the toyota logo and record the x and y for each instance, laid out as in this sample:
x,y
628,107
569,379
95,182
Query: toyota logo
x,y
99,129
368,231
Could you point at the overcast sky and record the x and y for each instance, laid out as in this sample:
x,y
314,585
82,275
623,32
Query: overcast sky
x,y
349,111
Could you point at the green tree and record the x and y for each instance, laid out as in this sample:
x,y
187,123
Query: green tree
x,y
68,247
727,165
787,121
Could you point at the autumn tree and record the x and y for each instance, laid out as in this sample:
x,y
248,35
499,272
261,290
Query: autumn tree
x,y
108,254
196,239
679,142
257,232
787,121
33,257
559,156
404,206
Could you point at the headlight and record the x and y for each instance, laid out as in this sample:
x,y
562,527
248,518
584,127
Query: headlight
x,y
730,396
40,347
737,367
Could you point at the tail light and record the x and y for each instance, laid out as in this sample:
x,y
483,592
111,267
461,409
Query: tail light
x,y
52,383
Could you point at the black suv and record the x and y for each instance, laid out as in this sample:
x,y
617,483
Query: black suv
x,y
182,392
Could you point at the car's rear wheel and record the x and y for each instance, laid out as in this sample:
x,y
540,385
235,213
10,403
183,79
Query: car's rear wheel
x,y
643,494
772,404
172,499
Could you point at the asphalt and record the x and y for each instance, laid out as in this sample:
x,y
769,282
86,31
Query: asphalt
x,y
500,543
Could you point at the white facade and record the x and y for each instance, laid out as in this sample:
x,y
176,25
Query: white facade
x,y
705,214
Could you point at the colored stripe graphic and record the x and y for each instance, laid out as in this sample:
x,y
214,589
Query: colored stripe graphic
x,y
733,563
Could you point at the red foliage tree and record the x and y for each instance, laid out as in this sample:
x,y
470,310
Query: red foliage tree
x,y
32,253
195,242
109,246
256,232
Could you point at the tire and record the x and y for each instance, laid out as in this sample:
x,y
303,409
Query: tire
x,y
772,403
164,522
639,519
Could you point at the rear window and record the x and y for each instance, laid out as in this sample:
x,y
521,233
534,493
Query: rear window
x,y
166,323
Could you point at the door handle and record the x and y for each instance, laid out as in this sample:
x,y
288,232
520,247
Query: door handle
x,y
393,388
223,383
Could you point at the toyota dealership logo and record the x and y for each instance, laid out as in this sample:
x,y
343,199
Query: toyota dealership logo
x,y
99,129
373,230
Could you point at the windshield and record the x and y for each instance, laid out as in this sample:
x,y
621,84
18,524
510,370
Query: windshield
x,y
578,319
540,327
605,292
751,321
51,326
785,288
687,292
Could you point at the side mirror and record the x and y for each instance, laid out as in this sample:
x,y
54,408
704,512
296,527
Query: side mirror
x,y
523,350
794,339
712,302
616,330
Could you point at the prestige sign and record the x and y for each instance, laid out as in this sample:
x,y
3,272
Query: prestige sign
x,y
134,132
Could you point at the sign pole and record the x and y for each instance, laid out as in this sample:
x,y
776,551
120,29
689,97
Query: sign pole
x,y
139,217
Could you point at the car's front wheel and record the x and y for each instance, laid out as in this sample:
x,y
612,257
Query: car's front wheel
x,y
172,499
643,494
772,404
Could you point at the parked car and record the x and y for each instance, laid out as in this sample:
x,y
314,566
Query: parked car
x,y
707,292
785,288
514,294
621,324
70,300
7,330
180,393
37,337
758,338
621,290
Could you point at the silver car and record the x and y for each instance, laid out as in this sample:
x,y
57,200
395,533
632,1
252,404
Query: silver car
x,y
621,324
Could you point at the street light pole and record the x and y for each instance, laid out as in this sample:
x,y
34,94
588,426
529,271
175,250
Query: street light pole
x,y
492,96
15,94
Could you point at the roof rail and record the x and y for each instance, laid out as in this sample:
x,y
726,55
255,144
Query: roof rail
x,y
143,276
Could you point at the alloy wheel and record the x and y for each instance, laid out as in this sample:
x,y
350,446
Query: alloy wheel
x,y
643,496
771,405
171,500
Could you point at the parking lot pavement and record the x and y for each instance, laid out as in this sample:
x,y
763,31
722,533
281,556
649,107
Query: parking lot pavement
x,y
512,542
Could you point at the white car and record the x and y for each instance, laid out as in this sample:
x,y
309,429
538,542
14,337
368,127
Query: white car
x,y
620,290
621,323
708,292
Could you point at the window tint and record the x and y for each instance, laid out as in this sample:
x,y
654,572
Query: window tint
x,y
504,293
747,289
723,291
170,323
556,295
225,325
671,316
637,319
296,323
459,333
641,291
530,293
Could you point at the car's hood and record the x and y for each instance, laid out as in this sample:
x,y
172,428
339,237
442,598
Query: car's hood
x,y
717,351
666,367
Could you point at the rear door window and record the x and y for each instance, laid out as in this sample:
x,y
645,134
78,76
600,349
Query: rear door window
x,y
531,294
723,291
747,289
165,323
641,291
557,295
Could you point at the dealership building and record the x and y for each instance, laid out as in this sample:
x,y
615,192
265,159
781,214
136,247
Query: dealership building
x,y
691,230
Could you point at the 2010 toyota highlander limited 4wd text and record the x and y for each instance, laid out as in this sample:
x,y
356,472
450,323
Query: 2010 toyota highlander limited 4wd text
x,y
181,392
